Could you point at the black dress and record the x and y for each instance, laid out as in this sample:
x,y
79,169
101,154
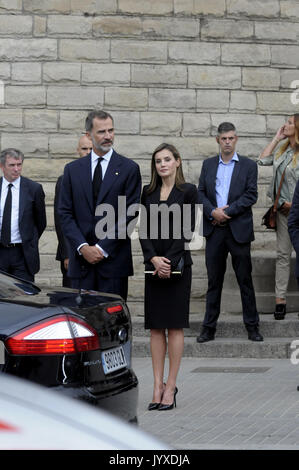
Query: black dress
x,y
166,302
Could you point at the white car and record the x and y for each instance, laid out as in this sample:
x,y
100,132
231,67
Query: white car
x,y
36,418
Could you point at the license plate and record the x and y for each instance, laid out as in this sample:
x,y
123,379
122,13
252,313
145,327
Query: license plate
x,y
2,354
113,359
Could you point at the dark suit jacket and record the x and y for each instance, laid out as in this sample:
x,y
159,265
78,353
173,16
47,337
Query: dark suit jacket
x,y
242,195
62,250
32,220
171,248
293,224
78,219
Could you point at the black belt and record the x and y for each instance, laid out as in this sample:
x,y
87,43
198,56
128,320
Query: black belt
x,y
10,245
222,224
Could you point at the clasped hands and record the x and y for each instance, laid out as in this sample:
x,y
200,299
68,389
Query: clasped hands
x,y
91,254
162,266
219,215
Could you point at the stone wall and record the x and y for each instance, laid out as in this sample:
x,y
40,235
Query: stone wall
x,y
168,70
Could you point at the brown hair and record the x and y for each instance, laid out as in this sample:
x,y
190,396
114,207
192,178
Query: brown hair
x,y
155,178
285,145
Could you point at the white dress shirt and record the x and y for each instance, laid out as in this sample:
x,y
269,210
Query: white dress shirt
x,y
15,192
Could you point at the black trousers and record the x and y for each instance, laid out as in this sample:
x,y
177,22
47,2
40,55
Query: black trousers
x,y
218,245
92,280
12,261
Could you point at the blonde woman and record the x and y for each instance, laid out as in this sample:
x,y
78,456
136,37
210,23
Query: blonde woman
x,y
284,159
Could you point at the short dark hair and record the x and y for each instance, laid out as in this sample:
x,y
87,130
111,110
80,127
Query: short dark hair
x,y
11,152
99,114
226,127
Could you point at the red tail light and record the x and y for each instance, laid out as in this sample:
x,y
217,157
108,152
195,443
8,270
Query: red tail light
x,y
114,309
59,335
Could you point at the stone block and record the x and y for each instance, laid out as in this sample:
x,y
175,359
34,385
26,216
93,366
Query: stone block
x,y
11,118
92,7
126,122
173,100
289,9
212,100
30,144
285,56
26,72
10,5
49,189
106,74
16,25
196,124
242,101
73,120
129,98
25,95
62,145
69,25
40,119
200,7
144,7
75,97
139,148
287,77
159,75
277,31
50,217
48,243
47,6
139,51
246,54
245,123
4,71
260,77
39,25
252,146
161,123
194,53
84,49
258,8
280,105
61,72
117,25
193,169
229,29
274,123
172,28
28,49
209,76
44,169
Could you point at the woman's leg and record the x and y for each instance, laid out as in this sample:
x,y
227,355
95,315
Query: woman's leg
x,y
158,350
284,250
175,353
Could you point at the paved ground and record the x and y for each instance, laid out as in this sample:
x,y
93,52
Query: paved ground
x,y
226,404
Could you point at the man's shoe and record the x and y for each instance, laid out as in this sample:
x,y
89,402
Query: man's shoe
x,y
205,336
255,335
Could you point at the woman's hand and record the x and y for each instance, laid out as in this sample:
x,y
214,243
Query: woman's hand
x,y
285,208
280,134
162,266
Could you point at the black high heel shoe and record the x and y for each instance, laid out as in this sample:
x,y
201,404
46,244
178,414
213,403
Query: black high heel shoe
x,y
153,405
163,407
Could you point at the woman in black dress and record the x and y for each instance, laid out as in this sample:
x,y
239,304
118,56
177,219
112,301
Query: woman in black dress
x,y
167,296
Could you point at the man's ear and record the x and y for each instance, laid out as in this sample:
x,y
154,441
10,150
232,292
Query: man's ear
x,y
217,139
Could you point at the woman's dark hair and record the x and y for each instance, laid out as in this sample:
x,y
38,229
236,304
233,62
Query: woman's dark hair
x,y
155,178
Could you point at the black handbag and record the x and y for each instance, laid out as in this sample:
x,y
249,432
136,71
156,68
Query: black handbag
x,y
176,271
269,218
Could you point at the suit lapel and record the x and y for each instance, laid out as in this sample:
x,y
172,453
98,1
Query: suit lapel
x,y
85,173
22,197
234,179
212,175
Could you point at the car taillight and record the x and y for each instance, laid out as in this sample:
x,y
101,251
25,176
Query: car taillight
x,y
59,335
114,309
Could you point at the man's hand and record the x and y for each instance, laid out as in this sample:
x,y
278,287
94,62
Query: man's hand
x,y
66,263
285,208
162,266
219,215
91,254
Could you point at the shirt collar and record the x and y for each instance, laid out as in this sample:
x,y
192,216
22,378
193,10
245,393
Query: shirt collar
x,y
15,183
235,158
107,156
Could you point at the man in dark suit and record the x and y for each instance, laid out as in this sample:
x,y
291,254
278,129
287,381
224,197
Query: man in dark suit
x,y
23,217
293,226
227,190
92,185
84,148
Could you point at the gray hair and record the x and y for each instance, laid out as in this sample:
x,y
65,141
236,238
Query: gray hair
x,y
14,153
99,114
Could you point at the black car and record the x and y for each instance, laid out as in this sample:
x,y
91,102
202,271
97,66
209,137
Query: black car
x,y
78,343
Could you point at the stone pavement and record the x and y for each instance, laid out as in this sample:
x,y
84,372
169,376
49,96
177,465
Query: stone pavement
x,y
227,404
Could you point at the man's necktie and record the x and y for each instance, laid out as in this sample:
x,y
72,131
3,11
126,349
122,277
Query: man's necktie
x,y
6,219
97,180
